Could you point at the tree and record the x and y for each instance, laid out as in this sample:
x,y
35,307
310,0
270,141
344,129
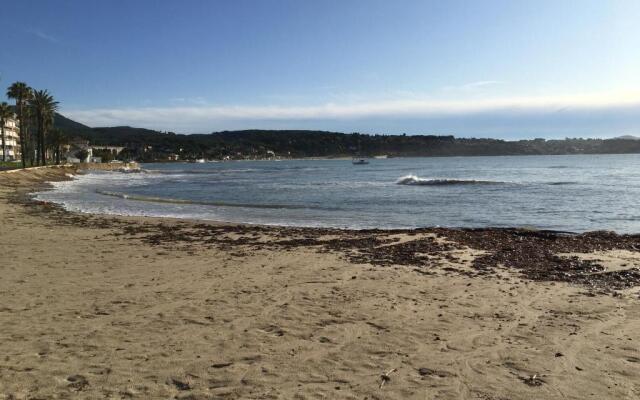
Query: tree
x,y
44,108
57,139
82,155
21,93
105,155
5,113
29,135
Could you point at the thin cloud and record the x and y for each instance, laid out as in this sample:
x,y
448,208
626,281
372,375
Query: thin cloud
x,y
42,35
208,118
479,84
189,100
472,86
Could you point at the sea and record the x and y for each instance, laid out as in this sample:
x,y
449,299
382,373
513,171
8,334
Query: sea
x,y
573,193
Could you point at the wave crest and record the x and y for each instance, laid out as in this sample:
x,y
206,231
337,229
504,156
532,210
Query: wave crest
x,y
562,183
415,180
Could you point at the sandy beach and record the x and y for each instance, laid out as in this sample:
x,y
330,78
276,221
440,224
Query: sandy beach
x,y
117,308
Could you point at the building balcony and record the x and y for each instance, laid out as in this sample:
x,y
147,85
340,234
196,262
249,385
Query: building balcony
x,y
10,136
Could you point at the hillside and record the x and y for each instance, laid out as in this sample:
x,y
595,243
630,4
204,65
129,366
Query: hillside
x,y
70,126
147,145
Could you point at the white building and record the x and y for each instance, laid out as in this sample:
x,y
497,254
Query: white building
x,y
12,137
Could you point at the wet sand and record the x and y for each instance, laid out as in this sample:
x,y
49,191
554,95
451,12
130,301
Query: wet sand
x,y
104,307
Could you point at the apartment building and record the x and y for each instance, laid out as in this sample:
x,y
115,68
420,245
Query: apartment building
x,y
12,137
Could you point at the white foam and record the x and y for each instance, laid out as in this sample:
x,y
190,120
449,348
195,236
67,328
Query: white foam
x,y
417,181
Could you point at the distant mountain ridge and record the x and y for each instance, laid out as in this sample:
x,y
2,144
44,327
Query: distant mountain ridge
x,y
70,126
149,145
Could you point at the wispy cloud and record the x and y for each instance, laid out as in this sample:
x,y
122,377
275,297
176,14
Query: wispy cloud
x,y
208,118
43,35
472,86
199,101
479,84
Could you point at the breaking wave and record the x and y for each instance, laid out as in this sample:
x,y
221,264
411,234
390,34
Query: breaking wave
x,y
417,181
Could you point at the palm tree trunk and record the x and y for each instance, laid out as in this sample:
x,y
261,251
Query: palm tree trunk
x,y
39,142
29,146
4,144
23,137
23,152
43,150
33,137
33,144
40,146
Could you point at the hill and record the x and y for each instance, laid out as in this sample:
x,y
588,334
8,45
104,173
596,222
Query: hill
x,y
148,145
70,126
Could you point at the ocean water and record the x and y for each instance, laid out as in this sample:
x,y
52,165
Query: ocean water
x,y
567,193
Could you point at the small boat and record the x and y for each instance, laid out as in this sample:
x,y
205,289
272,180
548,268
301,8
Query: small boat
x,y
359,161
201,161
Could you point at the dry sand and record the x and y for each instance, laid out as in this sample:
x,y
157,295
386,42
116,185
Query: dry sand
x,y
89,311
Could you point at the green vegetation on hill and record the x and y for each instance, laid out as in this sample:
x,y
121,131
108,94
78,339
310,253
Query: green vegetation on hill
x,y
148,145
71,127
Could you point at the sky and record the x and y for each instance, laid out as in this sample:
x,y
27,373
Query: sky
x,y
507,69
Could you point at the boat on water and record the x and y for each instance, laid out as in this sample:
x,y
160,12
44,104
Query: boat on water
x,y
359,161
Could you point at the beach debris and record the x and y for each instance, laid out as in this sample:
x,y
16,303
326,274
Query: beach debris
x,y
433,372
274,330
77,382
221,365
386,377
179,384
535,254
533,380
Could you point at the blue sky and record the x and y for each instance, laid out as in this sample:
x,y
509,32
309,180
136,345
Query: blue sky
x,y
509,69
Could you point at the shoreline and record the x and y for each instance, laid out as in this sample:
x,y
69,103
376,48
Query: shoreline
x,y
392,157
137,307
105,167
518,242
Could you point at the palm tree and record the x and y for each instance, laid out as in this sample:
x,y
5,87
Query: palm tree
x,y
22,93
26,126
29,135
44,108
5,113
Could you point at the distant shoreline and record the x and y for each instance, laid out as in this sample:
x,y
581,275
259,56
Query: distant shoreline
x,y
147,145
348,158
